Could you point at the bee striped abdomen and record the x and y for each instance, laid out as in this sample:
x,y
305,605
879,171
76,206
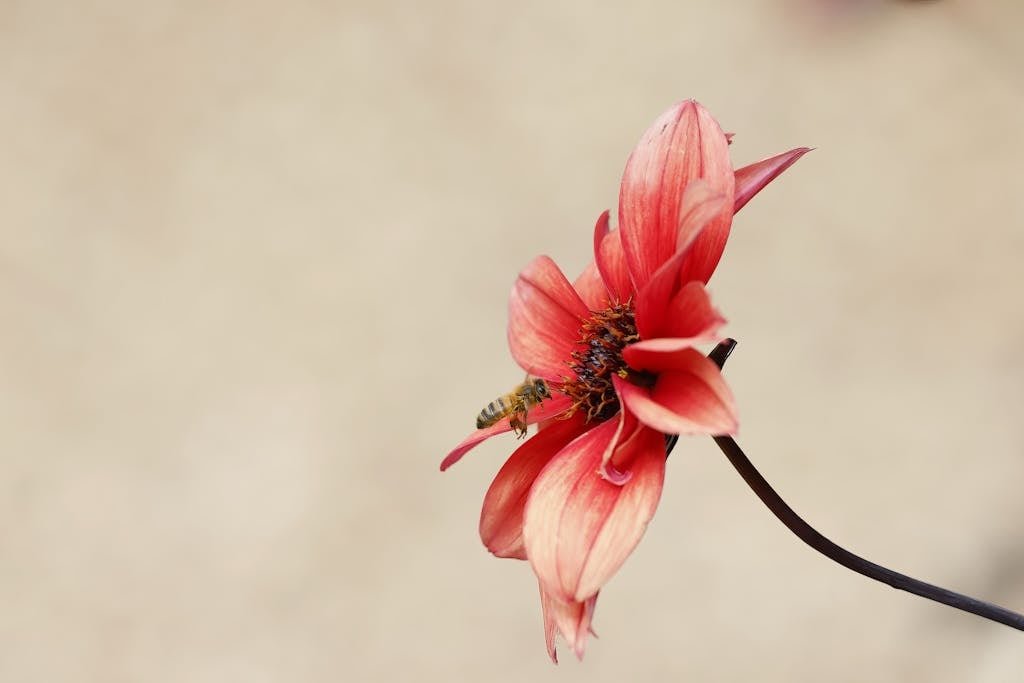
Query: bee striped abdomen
x,y
495,410
515,405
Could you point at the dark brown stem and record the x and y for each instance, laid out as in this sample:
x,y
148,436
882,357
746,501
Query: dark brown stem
x,y
806,533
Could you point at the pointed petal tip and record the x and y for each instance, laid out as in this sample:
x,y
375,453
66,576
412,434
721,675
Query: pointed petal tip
x,y
453,458
601,229
472,441
754,177
611,260
570,618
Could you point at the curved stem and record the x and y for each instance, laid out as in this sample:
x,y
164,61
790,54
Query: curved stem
x,y
806,533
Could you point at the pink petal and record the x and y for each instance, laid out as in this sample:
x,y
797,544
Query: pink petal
x,y
501,519
550,408
683,144
550,626
579,528
591,288
611,260
688,319
652,302
571,619
544,318
752,179
689,397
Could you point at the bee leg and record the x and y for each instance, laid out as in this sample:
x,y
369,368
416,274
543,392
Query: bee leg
x,y
518,424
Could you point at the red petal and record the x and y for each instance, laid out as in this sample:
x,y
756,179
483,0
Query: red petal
x,y
689,397
591,288
544,318
688,319
611,260
579,528
571,619
601,230
751,179
501,520
550,408
700,207
683,144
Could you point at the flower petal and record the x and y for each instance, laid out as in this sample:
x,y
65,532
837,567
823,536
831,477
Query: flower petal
x,y
591,288
689,397
579,528
501,519
551,629
688,319
611,260
550,408
701,205
571,619
544,318
601,230
752,179
683,144
608,470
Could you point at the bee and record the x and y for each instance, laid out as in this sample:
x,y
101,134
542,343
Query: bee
x,y
514,405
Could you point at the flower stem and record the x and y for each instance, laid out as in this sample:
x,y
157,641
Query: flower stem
x,y
806,533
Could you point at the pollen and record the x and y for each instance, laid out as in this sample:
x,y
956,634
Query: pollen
x,y
598,358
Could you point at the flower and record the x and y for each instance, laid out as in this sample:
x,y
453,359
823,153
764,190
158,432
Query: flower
x,y
617,349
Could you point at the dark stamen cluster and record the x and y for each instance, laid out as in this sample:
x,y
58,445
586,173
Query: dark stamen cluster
x,y
597,358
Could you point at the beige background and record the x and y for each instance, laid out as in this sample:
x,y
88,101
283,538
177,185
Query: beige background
x,y
253,276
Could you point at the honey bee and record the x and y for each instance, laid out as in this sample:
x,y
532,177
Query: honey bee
x,y
514,405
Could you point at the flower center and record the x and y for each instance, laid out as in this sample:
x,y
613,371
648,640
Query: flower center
x,y
597,358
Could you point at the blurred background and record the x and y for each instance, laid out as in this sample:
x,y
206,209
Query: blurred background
x,y
253,276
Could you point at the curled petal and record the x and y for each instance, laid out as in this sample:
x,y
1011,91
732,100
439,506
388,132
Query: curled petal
x,y
626,425
654,297
553,407
501,519
688,319
753,178
571,619
611,260
579,528
689,397
591,289
683,144
544,318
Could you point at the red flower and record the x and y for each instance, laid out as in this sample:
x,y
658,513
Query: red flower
x,y
617,350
